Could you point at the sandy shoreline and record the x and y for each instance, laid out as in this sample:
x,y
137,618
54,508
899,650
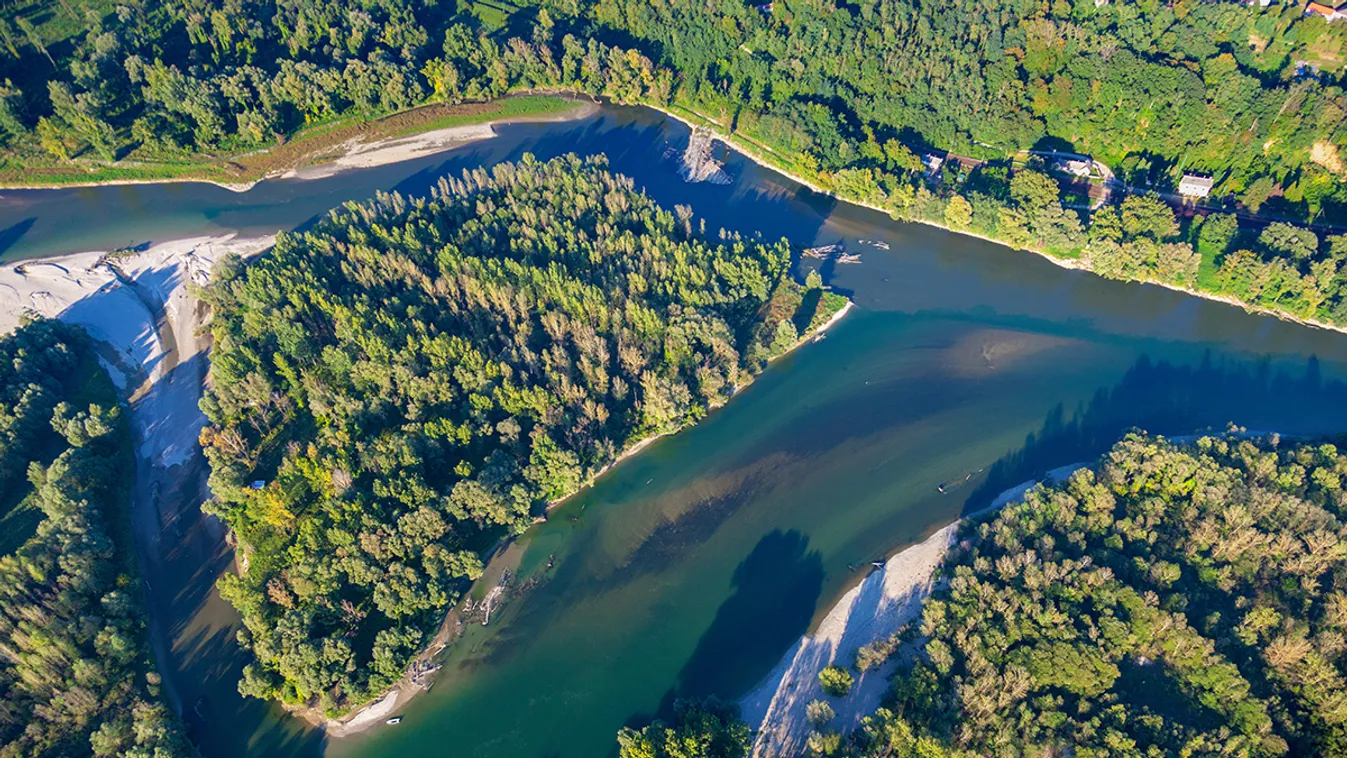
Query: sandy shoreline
x,y
146,321
878,607
357,153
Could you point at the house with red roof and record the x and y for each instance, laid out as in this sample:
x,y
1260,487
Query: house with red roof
x,y
1330,14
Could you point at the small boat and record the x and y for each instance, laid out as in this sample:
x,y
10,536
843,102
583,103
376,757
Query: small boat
x,y
877,564
820,337
394,721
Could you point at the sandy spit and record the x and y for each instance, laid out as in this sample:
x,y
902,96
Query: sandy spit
x,y
124,300
880,606
357,153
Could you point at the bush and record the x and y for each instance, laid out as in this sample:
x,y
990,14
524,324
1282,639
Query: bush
x,y
819,712
823,743
876,653
835,681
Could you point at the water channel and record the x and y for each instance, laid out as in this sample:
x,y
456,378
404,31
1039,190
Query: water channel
x,y
689,569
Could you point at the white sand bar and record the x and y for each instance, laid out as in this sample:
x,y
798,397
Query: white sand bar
x,y
146,316
357,153
874,610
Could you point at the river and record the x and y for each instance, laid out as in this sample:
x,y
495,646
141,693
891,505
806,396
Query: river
x,y
689,569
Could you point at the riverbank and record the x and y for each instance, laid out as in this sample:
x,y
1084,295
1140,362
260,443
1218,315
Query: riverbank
x,y
143,313
879,607
401,694
642,444
322,150
759,154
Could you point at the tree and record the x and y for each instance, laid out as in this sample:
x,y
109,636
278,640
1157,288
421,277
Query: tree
x,y
83,115
702,730
958,213
1284,240
1147,216
1258,193
1217,233
34,38
11,110
823,743
55,138
7,38
819,712
1034,191
835,681
899,156
785,338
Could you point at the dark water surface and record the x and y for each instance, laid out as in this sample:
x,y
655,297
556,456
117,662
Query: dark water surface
x,y
690,568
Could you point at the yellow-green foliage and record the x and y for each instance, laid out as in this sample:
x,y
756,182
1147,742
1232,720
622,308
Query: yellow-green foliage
x,y
1183,600
416,376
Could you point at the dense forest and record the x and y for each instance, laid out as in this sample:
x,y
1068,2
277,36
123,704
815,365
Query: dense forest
x,y
1248,95
1177,600
76,674
155,81
846,95
413,378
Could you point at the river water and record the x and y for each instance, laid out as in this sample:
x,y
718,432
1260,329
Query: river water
x,y
689,569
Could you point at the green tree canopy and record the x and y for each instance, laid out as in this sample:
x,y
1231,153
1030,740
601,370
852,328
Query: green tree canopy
x,y
415,376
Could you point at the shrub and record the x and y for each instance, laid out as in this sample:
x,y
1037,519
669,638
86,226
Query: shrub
x,y
835,681
819,712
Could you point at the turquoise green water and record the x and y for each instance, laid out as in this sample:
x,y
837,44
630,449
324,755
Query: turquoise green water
x,y
694,566
691,568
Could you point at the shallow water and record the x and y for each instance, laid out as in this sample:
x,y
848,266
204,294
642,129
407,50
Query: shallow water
x,y
690,568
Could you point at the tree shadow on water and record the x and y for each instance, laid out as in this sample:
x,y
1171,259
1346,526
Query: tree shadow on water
x,y
13,233
775,591
1172,400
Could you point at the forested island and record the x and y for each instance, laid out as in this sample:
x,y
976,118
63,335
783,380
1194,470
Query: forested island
x,y
397,388
1174,600
76,674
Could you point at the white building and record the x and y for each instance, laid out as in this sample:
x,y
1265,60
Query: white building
x,y
1195,186
1074,167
